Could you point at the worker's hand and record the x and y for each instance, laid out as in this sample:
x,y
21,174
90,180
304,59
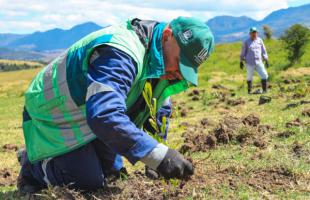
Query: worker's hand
x,y
174,165
267,63
241,65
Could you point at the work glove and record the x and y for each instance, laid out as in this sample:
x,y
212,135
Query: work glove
x,y
267,63
241,65
174,165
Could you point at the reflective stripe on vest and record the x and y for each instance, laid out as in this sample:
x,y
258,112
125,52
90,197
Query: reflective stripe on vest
x,y
72,124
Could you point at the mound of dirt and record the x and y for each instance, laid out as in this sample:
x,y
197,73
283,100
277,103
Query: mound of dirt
x,y
251,120
10,147
199,142
245,130
225,131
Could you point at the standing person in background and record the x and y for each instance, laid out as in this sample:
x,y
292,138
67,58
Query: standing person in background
x,y
254,52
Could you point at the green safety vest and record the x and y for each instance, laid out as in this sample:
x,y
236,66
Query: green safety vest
x,y
55,99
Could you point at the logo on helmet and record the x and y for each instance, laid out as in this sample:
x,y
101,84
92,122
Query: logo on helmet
x,y
185,36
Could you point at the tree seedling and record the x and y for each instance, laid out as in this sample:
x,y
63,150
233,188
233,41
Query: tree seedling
x,y
152,105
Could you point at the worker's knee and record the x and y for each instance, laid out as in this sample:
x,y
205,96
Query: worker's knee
x,y
262,72
80,169
250,72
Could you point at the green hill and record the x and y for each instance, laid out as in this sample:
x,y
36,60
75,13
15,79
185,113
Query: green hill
x,y
241,150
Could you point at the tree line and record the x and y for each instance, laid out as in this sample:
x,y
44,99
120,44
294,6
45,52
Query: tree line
x,y
294,40
11,65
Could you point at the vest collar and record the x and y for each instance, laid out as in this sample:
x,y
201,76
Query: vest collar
x,y
155,65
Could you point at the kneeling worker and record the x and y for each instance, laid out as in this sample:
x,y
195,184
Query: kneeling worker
x,y
85,109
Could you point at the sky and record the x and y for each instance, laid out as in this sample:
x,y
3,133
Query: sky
x,y
27,16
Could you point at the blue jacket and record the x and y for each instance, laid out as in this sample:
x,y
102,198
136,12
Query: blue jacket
x,y
106,111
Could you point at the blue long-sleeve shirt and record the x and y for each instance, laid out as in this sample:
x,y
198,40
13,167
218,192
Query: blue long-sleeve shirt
x,y
253,51
115,71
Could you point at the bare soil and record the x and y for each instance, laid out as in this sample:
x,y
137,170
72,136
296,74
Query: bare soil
x,y
245,131
137,186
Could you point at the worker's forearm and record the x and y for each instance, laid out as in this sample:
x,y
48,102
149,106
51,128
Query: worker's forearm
x,y
113,127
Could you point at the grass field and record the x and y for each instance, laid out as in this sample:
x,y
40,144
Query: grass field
x,y
241,150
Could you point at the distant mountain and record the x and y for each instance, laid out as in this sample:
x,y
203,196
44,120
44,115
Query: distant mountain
x,y
282,19
53,39
233,26
10,54
230,29
7,38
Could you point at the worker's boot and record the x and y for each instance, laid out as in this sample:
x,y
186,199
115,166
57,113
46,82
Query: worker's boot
x,y
26,184
264,85
249,87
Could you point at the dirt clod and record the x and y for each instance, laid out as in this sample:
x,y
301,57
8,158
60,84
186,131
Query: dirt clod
x,y
194,92
184,124
10,147
195,98
235,102
306,112
260,143
204,122
211,141
286,81
295,122
264,100
251,120
291,105
7,178
298,150
298,96
219,86
304,102
286,134
183,113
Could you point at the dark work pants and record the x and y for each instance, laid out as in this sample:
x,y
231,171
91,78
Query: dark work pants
x,y
84,168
